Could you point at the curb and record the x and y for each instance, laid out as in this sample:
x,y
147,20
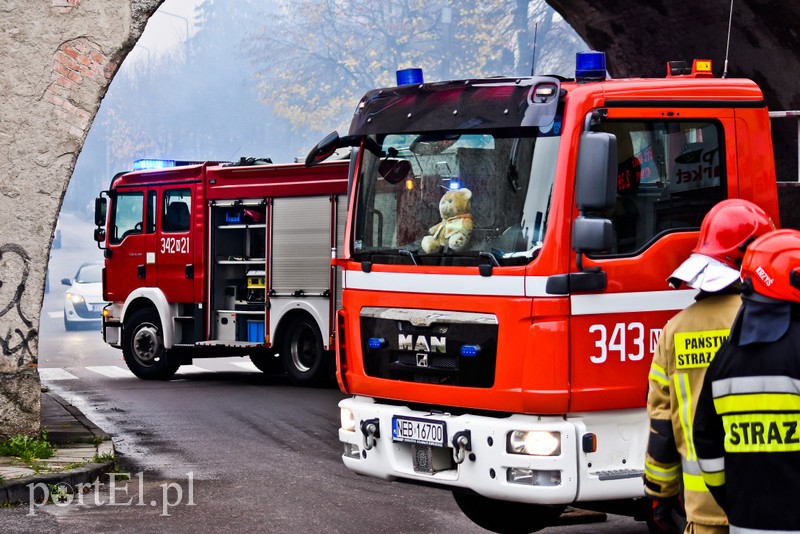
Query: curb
x,y
56,437
18,491
70,427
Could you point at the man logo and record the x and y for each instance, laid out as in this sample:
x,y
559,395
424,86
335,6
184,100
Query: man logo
x,y
422,360
434,344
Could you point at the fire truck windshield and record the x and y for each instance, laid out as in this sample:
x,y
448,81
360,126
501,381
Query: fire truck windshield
x,y
450,198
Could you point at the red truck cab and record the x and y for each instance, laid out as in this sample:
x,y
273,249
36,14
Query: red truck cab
x,y
513,370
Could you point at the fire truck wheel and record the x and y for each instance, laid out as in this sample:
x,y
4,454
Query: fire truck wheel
x,y
143,346
506,516
302,354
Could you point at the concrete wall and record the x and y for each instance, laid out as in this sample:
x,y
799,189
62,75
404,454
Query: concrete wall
x,y
57,58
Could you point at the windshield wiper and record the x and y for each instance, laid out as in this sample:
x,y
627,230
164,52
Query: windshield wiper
x,y
486,268
512,174
405,252
489,255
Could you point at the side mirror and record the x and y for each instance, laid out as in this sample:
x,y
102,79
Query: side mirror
x,y
100,235
323,150
394,170
588,235
66,282
596,174
592,235
100,207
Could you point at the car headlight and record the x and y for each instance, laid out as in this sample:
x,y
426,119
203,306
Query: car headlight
x,y
534,443
75,298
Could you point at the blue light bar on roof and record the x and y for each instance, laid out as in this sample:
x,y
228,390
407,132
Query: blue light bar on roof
x,y
409,76
148,164
590,66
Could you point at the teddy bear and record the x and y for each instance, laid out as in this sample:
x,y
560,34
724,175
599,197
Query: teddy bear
x,y
456,226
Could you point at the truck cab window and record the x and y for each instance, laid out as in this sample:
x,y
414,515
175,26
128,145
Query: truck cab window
x,y
126,216
177,213
491,187
669,174
150,219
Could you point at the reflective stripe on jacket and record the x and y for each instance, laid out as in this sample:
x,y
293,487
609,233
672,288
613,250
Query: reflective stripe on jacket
x,y
687,345
747,431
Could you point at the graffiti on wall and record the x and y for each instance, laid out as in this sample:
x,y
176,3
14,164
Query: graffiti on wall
x,y
16,341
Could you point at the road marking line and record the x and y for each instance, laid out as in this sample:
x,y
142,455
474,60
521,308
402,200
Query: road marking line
x,y
189,369
56,315
114,371
111,371
247,366
55,373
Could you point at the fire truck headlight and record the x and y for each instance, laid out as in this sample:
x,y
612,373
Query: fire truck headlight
x,y
348,420
77,299
534,443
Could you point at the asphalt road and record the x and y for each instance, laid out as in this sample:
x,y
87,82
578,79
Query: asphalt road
x,y
222,447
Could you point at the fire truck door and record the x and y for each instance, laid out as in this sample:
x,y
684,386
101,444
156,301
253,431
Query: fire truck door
x,y
173,248
127,268
669,176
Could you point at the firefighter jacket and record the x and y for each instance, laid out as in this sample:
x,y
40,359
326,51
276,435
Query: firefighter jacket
x,y
685,348
747,429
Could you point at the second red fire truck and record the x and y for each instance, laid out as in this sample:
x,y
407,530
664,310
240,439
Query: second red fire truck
x,y
207,260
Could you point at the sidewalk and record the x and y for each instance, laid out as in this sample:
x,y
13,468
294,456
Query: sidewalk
x,y
83,452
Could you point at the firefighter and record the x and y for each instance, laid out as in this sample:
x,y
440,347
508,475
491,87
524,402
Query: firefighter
x,y
685,348
747,426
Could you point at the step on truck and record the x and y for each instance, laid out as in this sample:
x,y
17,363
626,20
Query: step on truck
x,y
208,260
509,365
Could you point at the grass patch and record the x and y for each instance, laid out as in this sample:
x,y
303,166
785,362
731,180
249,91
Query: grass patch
x,y
109,457
27,448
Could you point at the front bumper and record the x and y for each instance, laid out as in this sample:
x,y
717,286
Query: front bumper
x,y
76,312
112,327
613,471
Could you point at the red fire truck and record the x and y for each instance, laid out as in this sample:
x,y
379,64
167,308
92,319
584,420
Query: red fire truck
x,y
513,370
208,260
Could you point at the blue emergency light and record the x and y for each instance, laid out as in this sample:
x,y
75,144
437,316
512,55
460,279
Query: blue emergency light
x,y
470,351
376,343
590,66
148,164
453,184
409,76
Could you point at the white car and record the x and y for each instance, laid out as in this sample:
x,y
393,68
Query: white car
x,y
83,301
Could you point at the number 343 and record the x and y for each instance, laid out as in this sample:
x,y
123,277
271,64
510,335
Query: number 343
x,y
626,341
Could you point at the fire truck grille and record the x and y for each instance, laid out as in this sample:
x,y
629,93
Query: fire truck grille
x,y
437,362
453,354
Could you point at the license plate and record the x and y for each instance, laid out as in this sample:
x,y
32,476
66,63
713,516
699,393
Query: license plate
x,y
420,431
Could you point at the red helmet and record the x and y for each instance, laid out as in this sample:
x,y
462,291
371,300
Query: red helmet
x,y
771,265
729,227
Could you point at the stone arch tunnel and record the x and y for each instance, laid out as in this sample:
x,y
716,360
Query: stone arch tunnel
x,y
639,37
60,55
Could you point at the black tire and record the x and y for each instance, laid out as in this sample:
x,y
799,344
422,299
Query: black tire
x,y
143,346
305,361
506,517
